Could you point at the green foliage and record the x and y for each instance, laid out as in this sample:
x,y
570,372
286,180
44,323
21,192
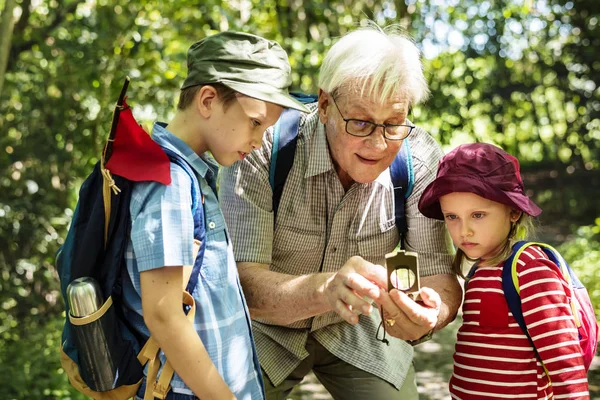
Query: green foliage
x,y
30,360
519,74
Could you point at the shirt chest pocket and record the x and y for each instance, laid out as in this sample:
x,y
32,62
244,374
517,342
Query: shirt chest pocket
x,y
217,254
373,248
297,251
493,310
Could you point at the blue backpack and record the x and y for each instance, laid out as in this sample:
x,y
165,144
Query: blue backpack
x,y
101,352
285,137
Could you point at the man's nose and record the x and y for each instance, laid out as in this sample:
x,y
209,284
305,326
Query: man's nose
x,y
377,139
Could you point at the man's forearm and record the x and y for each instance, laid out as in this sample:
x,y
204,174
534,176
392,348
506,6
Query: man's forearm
x,y
282,298
450,292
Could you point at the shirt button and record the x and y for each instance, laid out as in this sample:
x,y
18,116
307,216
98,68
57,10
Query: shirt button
x,y
212,225
333,249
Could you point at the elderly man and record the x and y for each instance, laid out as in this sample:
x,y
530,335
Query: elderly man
x,y
309,274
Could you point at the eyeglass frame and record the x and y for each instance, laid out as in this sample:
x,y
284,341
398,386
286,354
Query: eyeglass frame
x,y
373,124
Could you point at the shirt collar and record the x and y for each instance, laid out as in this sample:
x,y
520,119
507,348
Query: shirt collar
x,y
384,179
319,159
203,165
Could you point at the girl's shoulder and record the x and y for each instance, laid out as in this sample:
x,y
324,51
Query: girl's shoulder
x,y
532,253
534,261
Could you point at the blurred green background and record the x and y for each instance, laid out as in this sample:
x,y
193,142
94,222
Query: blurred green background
x,y
523,74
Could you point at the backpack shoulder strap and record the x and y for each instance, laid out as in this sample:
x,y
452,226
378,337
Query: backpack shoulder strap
x,y
512,292
403,179
285,137
510,284
198,214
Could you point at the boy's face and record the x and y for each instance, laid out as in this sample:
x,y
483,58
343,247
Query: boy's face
x,y
238,129
478,226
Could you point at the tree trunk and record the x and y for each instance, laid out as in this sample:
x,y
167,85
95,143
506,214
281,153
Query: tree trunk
x,y
6,29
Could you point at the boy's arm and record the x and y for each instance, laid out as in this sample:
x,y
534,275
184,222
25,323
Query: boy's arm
x,y
164,316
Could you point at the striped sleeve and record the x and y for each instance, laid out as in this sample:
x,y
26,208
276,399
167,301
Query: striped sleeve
x,y
545,298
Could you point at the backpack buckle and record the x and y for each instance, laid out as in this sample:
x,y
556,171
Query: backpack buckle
x,y
159,391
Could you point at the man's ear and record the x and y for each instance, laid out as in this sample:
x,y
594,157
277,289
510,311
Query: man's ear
x,y
323,106
206,99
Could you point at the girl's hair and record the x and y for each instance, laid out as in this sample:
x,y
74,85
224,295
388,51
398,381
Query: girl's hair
x,y
187,96
520,230
378,62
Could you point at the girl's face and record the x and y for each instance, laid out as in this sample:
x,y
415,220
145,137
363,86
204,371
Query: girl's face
x,y
478,226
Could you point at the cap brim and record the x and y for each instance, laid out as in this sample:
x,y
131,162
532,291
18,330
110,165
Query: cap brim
x,y
257,91
429,204
524,203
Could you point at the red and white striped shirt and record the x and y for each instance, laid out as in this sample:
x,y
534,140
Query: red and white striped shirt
x,y
494,359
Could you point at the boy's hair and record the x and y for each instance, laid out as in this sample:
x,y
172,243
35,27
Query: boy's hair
x,y
520,230
380,61
187,96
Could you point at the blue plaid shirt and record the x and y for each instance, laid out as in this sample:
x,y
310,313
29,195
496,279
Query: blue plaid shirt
x,y
162,235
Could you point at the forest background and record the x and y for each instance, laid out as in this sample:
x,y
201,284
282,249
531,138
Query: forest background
x,y
522,74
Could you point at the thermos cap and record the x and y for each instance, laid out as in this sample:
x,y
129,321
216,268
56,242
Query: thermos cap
x,y
84,296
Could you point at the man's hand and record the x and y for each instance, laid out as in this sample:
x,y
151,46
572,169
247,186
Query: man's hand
x,y
358,278
407,319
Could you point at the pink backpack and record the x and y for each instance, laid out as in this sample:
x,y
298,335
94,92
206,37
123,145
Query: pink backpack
x,y
581,305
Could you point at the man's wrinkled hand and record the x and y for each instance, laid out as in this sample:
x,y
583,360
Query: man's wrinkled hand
x,y
407,319
357,279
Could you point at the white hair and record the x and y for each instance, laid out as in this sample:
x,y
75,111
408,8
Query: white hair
x,y
381,62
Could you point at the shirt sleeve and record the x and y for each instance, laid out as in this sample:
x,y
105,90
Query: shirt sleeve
x,y
246,198
545,303
162,228
428,237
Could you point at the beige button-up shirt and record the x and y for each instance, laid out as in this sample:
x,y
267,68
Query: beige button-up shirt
x,y
319,227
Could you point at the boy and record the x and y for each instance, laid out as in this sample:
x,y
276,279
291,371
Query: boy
x,y
236,87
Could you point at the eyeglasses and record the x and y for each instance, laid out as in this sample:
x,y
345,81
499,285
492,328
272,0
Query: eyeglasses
x,y
360,128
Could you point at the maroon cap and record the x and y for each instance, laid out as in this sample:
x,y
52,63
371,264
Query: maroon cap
x,y
480,168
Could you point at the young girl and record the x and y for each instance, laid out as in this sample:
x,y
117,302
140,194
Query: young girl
x,y
479,193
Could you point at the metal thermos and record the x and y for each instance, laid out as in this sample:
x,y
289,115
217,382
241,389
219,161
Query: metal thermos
x,y
95,360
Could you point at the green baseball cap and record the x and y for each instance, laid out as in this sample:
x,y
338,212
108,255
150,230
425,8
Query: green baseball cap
x,y
249,64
